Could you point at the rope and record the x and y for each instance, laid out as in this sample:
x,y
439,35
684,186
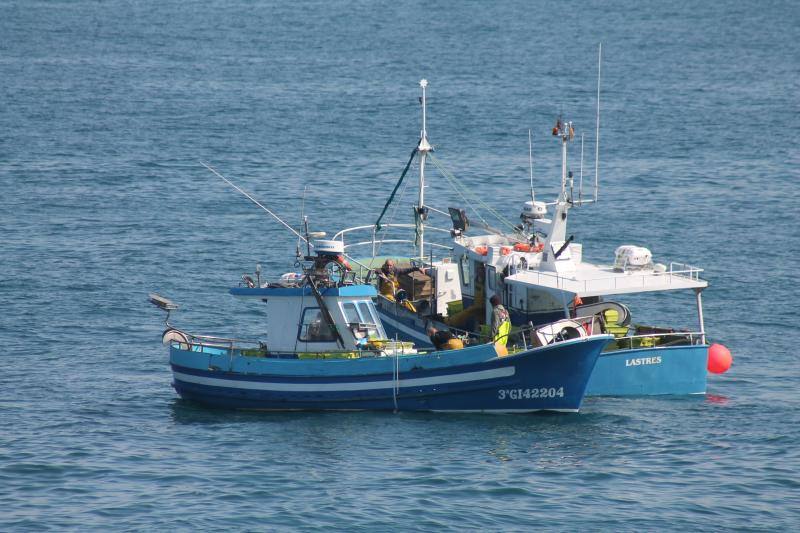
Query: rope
x,y
391,221
397,186
396,376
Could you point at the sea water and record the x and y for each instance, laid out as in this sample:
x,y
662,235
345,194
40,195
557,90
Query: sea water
x,y
107,109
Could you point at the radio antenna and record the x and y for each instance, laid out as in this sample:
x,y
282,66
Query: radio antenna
x,y
580,181
304,221
249,197
597,126
530,164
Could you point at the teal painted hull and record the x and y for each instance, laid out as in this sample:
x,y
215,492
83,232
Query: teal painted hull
x,y
650,371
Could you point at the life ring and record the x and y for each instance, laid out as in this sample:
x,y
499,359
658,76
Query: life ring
x,y
173,335
481,250
525,247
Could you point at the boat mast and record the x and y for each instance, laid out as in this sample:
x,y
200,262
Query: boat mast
x,y
558,231
423,149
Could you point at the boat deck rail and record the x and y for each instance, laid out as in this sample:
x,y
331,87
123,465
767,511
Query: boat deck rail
x,y
375,241
676,276
592,325
200,342
208,344
659,340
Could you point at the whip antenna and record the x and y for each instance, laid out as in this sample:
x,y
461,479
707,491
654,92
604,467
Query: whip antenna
x,y
580,181
249,197
530,164
597,127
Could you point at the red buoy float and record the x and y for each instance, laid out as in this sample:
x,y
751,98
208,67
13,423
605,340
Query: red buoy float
x,y
719,359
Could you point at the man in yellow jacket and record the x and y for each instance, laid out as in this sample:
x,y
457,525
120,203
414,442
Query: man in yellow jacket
x,y
501,321
390,285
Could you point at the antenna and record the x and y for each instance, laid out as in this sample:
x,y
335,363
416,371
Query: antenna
x,y
530,164
597,127
424,83
249,197
580,181
304,219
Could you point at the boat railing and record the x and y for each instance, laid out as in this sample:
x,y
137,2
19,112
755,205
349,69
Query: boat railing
x,y
685,270
659,340
375,241
208,344
205,343
592,325
630,280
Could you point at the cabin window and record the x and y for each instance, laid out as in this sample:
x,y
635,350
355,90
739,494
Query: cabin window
x,y
542,301
463,268
366,316
369,316
313,328
364,313
350,313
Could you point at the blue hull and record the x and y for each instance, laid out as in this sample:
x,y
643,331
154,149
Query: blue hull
x,y
468,380
670,370
650,371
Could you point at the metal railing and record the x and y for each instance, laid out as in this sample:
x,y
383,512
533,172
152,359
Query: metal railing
x,y
231,347
660,340
631,279
375,241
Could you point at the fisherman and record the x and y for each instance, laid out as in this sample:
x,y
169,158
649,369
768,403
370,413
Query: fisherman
x,y
501,323
444,340
576,302
389,274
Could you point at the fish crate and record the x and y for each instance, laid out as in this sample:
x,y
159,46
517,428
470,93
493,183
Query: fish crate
x,y
418,286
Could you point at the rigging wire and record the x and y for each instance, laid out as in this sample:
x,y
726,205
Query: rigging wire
x,y
455,183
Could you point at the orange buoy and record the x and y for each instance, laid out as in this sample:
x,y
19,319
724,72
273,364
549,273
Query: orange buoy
x,y
481,250
522,247
719,359
505,250
539,247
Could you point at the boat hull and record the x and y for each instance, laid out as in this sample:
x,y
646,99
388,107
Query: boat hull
x,y
650,371
627,372
469,380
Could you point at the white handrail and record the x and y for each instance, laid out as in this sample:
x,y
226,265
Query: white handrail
x,y
409,241
341,233
613,282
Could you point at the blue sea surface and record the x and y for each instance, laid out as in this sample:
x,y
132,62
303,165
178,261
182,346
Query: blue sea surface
x,y
106,110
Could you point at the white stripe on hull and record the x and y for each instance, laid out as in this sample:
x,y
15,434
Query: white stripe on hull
x,y
464,377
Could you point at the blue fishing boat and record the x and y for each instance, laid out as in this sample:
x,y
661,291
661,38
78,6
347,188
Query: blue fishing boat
x,y
538,273
326,349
